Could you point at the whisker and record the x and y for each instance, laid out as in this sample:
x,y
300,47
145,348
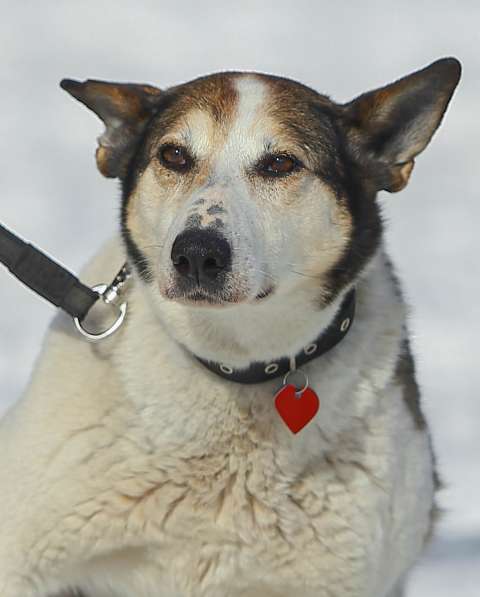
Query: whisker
x,y
152,246
303,274
265,274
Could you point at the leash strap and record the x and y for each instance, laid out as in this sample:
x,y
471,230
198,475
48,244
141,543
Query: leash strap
x,y
46,277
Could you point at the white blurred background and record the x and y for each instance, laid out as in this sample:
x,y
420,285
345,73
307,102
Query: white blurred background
x,y
52,194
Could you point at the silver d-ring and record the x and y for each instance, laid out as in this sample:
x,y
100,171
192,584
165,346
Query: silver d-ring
x,y
305,377
100,289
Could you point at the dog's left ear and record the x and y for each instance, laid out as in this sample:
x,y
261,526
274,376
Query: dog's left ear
x,y
125,109
388,127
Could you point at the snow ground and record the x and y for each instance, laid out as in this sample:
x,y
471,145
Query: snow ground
x,y
52,194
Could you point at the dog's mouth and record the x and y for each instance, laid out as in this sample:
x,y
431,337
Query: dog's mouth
x,y
202,297
199,297
264,293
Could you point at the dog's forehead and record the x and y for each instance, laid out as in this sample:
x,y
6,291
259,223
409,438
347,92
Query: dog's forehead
x,y
239,109
228,108
250,130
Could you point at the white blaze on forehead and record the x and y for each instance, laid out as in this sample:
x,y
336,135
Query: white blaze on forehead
x,y
246,137
252,93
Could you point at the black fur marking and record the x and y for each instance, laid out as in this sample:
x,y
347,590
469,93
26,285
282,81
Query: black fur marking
x,y
405,377
367,225
394,278
136,256
215,209
194,221
136,166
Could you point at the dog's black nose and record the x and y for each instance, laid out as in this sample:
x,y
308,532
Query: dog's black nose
x,y
201,255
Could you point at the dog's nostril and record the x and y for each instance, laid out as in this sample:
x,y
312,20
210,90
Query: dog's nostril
x,y
211,267
210,262
182,265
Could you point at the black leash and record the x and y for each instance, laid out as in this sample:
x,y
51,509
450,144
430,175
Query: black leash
x,y
56,284
47,278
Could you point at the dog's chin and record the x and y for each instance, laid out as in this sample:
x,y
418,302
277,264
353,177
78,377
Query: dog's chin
x,y
200,297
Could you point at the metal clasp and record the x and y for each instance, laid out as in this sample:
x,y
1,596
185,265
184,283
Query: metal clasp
x,y
298,389
109,295
294,371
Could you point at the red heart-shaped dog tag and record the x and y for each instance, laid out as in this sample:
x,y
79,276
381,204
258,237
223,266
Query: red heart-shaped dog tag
x,y
296,408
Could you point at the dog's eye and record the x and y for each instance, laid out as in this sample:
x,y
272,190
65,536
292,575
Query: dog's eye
x,y
278,165
175,157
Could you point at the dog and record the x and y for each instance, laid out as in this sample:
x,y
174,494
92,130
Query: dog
x,y
146,465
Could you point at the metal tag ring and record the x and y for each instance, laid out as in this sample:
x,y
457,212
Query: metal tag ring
x,y
100,289
305,379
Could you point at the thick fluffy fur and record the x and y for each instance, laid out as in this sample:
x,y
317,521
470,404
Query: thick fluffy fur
x,y
129,469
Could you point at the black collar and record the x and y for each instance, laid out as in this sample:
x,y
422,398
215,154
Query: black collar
x,y
261,372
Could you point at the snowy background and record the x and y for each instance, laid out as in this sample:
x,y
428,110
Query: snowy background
x,y
52,194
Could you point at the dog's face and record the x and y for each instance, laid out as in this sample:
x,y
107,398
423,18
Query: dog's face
x,y
239,186
233,198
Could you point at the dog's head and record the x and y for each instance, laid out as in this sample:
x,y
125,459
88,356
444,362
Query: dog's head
x,y
240,185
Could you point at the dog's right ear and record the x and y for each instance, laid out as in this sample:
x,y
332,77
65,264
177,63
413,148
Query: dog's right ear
x,y
125,109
